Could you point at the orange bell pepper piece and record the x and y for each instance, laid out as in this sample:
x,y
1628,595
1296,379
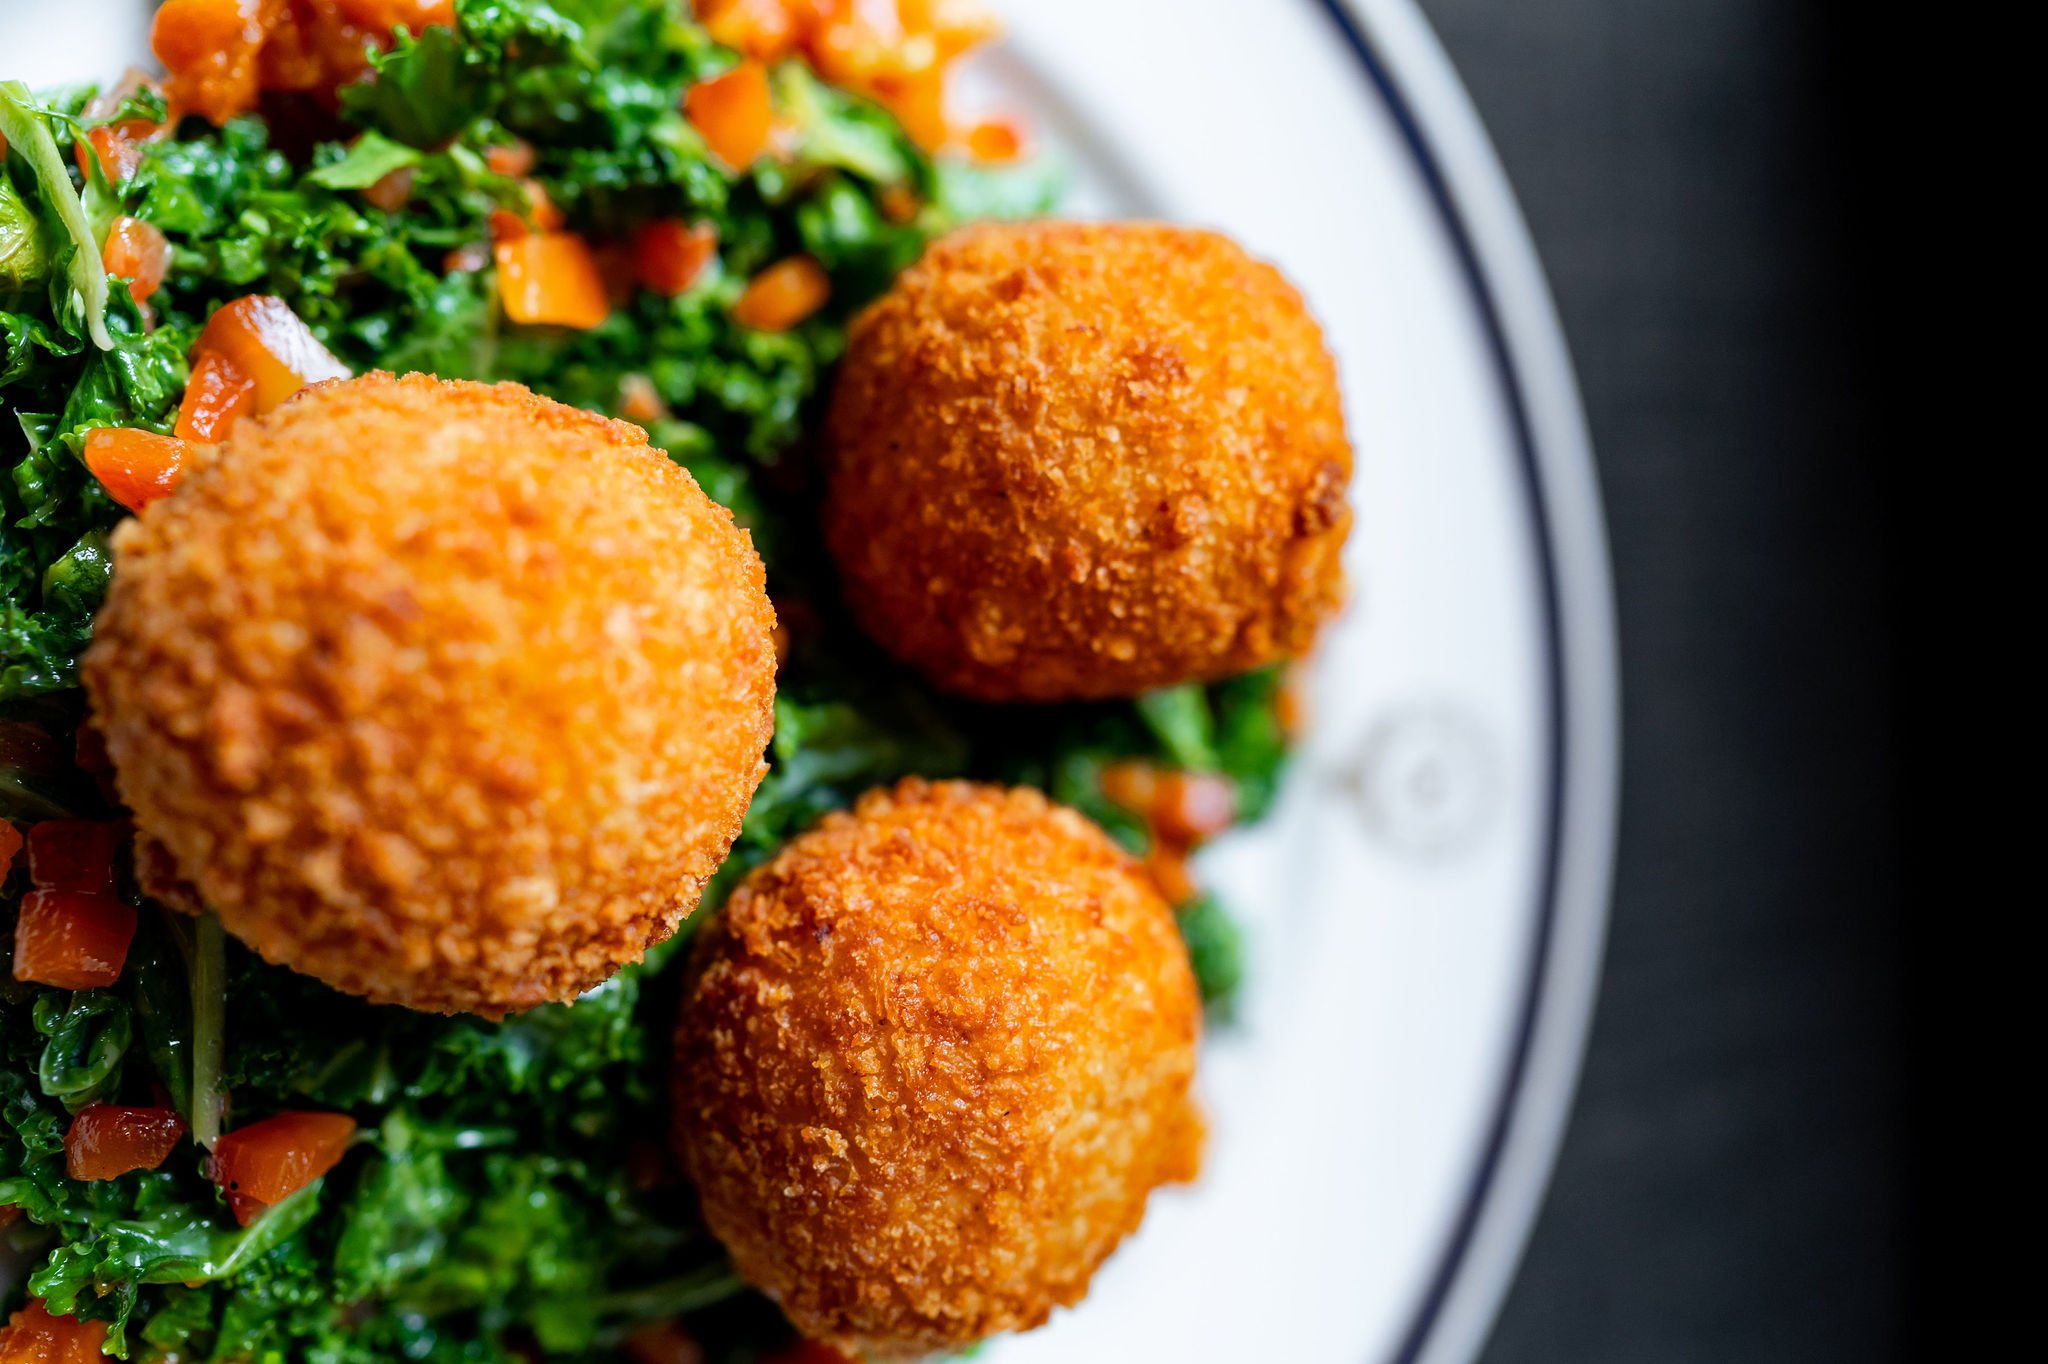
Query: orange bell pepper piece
x,y
997,140
551,278
734,113
783,295
267,341
216,396
135,467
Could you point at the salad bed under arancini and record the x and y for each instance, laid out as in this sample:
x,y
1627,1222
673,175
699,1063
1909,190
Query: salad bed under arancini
x,y
668,216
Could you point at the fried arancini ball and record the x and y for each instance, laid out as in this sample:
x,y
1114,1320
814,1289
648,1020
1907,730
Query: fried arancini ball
x,y
1072,461
444,693
932,1059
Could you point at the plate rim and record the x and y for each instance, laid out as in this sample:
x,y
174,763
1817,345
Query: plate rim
x,y
1400,57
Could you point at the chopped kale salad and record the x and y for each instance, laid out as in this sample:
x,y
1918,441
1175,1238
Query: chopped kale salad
x,y
505,1194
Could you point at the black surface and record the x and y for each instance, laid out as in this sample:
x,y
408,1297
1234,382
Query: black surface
x,y
1731,1188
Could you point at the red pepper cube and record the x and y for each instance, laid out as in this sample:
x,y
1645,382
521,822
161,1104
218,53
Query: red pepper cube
x,y
269,1161
139,253
107,1141
74,854
33,1336
74,940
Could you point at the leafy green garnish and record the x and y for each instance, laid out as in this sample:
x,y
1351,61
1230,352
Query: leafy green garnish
x,y
373,157
26,125
509,1189
24,254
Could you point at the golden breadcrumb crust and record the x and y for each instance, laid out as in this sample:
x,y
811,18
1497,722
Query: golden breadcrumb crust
x,y
1075,460
445,693
932,1059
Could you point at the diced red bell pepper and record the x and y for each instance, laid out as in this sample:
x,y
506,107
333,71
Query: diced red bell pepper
x,y
33,1336
783,295
135,467
734,113
10,847
269,342
669,255
139,253
551,278
218,394
107,1141
74,940
116,146
267,1162
1182,808
74,854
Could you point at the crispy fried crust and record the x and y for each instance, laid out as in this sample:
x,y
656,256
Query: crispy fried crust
x,y
444,693
932,1059
1084,460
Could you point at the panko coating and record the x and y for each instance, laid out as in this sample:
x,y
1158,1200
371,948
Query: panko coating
x,y
932,1059
444,693
1076,461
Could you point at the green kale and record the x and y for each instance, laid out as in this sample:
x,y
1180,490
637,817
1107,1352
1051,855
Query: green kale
x,y
76,356
373,157
1216,951
24,249
509,1189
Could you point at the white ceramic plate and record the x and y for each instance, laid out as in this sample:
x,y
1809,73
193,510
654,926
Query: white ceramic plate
x,y
1427,901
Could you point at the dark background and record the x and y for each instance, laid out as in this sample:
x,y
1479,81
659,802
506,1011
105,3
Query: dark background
x,y
1732,1186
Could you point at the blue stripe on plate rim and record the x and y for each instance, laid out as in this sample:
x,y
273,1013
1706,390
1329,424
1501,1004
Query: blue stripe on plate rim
x,y
1400,58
